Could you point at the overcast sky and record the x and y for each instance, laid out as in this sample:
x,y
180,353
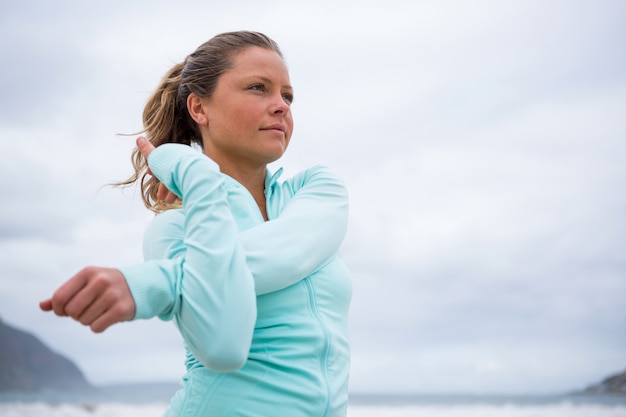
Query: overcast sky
x,y
483,144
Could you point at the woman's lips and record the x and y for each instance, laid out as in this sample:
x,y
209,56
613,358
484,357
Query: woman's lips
x,y
277,127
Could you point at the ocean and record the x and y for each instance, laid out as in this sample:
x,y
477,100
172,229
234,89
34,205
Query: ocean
x,y
151,401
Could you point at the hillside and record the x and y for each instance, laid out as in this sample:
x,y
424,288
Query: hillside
x,y
614,384
26,364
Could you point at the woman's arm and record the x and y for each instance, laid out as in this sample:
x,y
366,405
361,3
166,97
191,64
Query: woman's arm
x,y
215,308
303,238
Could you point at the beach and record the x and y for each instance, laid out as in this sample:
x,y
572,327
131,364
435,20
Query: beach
x,y
156,409
361,405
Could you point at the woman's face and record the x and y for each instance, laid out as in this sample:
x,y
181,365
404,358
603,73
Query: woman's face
x,y
249,121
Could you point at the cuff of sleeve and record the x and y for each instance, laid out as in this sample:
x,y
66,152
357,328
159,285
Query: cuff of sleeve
x,y
164,159
153,296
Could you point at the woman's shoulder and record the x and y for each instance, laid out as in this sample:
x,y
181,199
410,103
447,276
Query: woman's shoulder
x,y
317,175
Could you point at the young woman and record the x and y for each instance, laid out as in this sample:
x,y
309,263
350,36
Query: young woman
x,y
247,267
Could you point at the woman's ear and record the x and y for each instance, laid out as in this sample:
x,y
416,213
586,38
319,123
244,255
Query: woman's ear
x,y
197,110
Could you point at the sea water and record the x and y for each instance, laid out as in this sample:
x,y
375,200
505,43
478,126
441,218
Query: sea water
x,y
488,406
133,403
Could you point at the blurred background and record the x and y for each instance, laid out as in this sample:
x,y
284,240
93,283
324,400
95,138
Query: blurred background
x,y
483,144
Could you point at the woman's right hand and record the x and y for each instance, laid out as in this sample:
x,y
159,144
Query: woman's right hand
x,y
96,297
163,193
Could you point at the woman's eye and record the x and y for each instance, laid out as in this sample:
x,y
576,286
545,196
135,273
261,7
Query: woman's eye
x,y
257,87
288,98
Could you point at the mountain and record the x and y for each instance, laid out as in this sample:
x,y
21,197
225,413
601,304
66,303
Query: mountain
x,y
26,364
614,384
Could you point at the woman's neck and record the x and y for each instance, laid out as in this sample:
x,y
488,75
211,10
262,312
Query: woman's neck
x,y
253,180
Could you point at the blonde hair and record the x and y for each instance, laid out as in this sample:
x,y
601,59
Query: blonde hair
x,y
165,116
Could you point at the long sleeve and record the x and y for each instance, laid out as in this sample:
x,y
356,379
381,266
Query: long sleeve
x,y
305,235
215,304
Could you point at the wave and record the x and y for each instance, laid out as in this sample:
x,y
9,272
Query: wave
x,y
510,410
38,409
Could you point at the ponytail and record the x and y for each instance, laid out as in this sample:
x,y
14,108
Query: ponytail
x,y
165,120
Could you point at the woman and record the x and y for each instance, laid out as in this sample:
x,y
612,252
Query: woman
x,y
239,233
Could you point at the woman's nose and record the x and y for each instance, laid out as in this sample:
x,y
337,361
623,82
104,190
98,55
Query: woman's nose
x,y
280,105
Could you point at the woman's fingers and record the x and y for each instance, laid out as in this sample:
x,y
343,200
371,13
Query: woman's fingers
x,y
72,289
46,305
144,146
164,194
96,297
113,304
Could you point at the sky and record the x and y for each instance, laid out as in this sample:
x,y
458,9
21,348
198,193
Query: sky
x,y
483,144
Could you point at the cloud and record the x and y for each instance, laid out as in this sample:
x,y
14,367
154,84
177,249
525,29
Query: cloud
x,y
482,145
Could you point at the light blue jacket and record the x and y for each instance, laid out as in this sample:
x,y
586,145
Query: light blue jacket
x,y
206,262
